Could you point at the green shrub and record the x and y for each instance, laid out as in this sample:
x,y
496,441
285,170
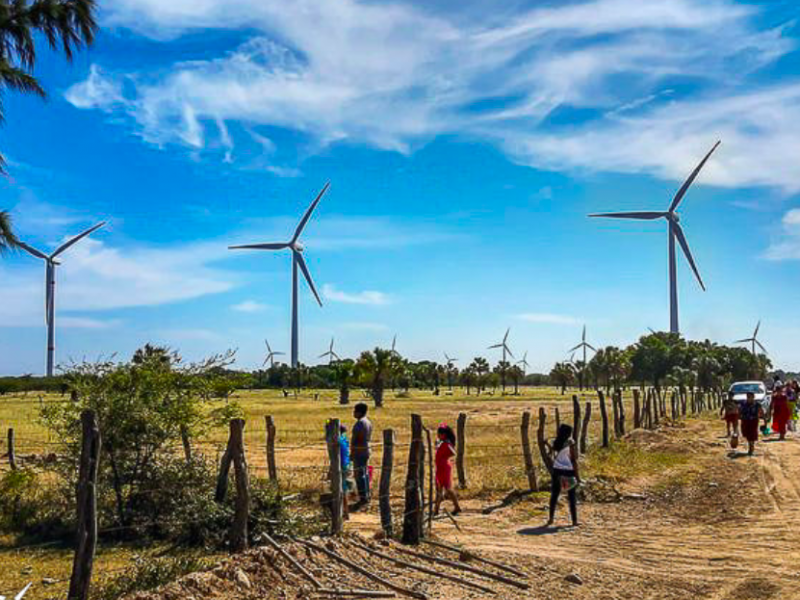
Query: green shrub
x,y
147,573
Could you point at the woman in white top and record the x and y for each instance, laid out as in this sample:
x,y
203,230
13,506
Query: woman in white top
x,y
565,474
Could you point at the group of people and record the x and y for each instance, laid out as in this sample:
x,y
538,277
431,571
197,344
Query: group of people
x,y
751,417
355,454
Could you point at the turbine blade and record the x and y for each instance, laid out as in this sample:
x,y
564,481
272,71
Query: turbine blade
x,y
32,250
679,196
578,347
747,341
505,337
685,246
323,355
510,353
642,215
760,345
278,353
307,216
592,348
758,326
583,335
495,346
301,261
268,246
76,239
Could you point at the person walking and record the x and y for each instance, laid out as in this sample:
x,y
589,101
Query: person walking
x,y
445,451
360,452
730,412
566,475
791,397
347,470
750,412
780,411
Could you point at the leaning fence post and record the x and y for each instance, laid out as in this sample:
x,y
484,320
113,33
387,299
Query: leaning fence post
x,y
587,416
603,416
637,411
540,440
576,421
621,413
272,468
530,470
12,454
461,441
413,518
334,456
86,542
384,495
615,412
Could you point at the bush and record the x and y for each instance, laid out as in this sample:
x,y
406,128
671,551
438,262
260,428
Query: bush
x,y
147,573
33,509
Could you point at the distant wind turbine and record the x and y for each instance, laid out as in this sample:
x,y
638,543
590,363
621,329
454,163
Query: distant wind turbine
x,y
504,345
449,360
271,354
753,340
583,345
675,232
298,262
331,354
524,362
51,263
394,344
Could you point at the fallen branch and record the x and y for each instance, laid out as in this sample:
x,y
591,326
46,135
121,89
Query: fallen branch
x,y
511,498
422,569
359,569
357,593
457,565
305,572
471,556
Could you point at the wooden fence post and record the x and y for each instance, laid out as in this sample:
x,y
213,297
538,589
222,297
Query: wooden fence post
x,y
429,446
272,468
587,416
576,421
604,417
530,470
332,434
683,402
621,413
384,497
461,441
86,542
615,413
12,454
656,407
558,419
235,454
547,460
637,410
412,515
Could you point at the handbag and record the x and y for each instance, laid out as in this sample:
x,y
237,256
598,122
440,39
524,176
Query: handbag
x,y
568,484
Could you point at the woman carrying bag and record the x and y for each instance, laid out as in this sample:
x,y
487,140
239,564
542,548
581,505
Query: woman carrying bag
x,y
565,476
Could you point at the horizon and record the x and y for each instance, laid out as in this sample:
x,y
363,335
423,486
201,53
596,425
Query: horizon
x,y
465,149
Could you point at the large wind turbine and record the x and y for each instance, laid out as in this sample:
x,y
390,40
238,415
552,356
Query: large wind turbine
x,y
51,262
331,354
753,340
524,362
584,345
504,345
675,232
271,354
298,262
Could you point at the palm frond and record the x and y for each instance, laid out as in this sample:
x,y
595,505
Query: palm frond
x,y
8,241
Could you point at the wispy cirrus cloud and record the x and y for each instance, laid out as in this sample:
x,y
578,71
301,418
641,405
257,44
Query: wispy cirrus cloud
x,y
394,76
549,318
372,297
786,244
249,306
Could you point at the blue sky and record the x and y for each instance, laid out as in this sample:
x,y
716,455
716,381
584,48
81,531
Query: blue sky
x,y
465,146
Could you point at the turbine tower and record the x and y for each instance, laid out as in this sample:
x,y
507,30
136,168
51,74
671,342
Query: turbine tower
x,y
524,362
753,340
675,233
394,344
583,345
330,354
298,262
271,354
504,346
51,262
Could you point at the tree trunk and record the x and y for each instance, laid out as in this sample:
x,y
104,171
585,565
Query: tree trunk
x,y
344,395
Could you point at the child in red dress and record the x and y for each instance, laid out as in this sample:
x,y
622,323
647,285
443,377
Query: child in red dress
x,y
445,450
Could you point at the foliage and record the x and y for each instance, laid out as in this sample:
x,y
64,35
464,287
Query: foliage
x,y
147,573
8,240
374,369
30,508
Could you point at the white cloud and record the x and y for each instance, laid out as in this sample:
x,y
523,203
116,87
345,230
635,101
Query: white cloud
x,y
786,244
87,323
366,297
548,318
94,277
190,335
364,326
249,306
394,75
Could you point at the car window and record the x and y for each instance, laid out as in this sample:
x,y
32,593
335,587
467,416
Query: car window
x,y
744,388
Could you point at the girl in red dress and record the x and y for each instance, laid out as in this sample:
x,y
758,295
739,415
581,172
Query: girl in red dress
x,y
780,411
445,451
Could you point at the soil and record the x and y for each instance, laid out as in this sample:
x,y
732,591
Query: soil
x,y
717,527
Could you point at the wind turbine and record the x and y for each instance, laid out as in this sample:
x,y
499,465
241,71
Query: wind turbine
x,y
51,262
504,346
524,362
675,232
583,345
330,353
271,354
298,262
753,340
449,360
394,344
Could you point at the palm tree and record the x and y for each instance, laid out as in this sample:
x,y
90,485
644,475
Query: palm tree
x,y
8,241
479,367
501,369
516,374
343,374
65,24
376,368
563,374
